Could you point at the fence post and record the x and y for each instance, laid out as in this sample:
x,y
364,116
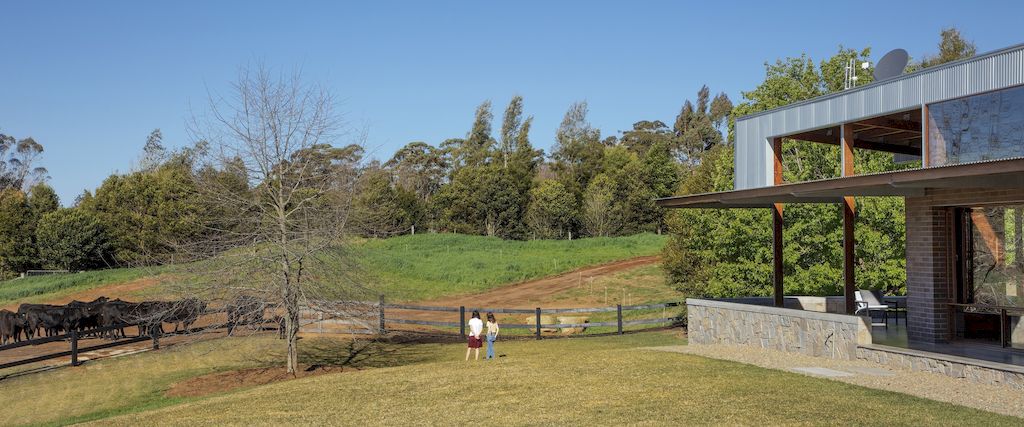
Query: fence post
x,y
538,322
74,347
380,313
154,332
1002,329
619,307
462,321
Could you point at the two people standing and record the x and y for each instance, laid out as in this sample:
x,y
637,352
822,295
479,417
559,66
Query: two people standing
x,y
476,327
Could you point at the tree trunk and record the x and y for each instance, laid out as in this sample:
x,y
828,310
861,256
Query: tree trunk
x,y
292,329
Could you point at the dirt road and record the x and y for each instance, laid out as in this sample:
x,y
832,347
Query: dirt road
x,y
531,293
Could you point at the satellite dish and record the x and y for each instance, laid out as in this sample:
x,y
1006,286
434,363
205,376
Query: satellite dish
x,y
892,64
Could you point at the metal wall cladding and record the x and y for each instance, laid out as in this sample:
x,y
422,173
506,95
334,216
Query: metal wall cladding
x,y
992,71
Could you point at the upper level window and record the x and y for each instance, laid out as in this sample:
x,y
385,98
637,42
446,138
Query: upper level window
x,y
989,126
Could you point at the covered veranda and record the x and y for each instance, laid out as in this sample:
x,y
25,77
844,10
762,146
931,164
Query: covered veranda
x,y
931,316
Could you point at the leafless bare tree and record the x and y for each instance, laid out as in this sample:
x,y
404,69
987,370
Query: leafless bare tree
x,y
278,196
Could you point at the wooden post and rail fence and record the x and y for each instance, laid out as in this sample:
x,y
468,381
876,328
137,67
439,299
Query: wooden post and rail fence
x,y
537,325
363,324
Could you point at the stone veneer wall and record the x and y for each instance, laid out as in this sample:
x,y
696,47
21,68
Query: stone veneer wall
x,y
829,335
970,369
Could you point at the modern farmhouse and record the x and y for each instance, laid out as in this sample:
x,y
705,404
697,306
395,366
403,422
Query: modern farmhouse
x,y
964,221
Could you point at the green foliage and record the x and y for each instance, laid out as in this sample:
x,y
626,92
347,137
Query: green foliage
x,y
578,152
697,128
428,266
17,163
43,200
381,209
601,215
487,200
72,239
145,212
952,47
552,212
17,252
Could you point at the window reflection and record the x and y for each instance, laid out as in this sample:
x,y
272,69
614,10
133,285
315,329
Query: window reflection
x,y
996,255
981,127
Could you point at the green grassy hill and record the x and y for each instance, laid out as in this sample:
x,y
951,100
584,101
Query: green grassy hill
x,y
429,266
405,268
45,288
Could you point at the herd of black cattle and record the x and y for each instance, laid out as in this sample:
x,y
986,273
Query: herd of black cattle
x,y
38,320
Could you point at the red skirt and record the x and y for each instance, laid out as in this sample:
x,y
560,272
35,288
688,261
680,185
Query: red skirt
x,y
475,342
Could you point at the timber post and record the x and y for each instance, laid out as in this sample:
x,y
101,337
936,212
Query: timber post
x,y
380,314
462,321
74,347
619,310
538,322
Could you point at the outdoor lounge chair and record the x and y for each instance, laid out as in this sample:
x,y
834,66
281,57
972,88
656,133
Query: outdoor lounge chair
x,y
869,302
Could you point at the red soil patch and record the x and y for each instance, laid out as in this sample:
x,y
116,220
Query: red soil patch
x,y
226,381
529,294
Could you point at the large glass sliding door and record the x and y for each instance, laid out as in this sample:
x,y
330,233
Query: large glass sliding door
x,y
991,272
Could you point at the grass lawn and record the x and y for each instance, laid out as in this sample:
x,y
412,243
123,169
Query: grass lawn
x,y
112,386
44,288
426,266
608,380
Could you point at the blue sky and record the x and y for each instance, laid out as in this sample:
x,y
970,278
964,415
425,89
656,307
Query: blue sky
x,y
89,80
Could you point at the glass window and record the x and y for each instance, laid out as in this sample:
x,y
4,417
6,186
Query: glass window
x,y
996,258
981,127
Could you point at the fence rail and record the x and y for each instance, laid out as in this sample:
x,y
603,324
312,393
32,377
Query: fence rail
x,y
372,320
619,323
74,337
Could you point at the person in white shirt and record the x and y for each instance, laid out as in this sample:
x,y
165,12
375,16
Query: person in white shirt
x,y
476,327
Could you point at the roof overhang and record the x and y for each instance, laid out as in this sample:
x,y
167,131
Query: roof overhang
x,y
1007,173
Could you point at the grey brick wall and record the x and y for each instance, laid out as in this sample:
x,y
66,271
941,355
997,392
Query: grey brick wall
x,y
930,282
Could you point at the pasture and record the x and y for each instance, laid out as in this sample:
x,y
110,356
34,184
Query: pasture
x,y
608,380
55,287
405,268
429,266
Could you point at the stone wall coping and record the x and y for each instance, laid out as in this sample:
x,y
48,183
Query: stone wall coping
x,y
778,311
945,357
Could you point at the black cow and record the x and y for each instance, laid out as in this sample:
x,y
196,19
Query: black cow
x,y
80,316
185,313
12,326
244,310
48,317
115,312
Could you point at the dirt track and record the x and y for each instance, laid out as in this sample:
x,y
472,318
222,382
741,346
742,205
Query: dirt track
x,y
531,293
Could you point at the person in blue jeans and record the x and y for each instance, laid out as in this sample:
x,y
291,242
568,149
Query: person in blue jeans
x,y
492,335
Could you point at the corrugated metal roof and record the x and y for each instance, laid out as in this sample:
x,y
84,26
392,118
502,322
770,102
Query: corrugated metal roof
x,y
990,71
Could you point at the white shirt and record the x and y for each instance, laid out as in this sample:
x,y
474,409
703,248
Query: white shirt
x,y
475,327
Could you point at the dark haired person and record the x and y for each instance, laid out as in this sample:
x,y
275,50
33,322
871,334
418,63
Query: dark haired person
x,y
476,327
492,335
